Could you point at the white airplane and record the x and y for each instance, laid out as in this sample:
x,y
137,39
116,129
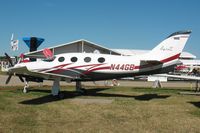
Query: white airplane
x,y
79,67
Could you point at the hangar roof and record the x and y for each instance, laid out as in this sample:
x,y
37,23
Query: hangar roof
x,y
84,46
81,46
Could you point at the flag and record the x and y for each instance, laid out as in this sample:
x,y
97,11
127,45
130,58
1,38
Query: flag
x,y
14,45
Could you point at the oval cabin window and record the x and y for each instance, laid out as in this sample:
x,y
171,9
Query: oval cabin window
x,y
101,60
74,59
61,59
87,59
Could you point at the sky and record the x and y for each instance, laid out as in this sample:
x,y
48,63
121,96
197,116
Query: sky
x,y
124,24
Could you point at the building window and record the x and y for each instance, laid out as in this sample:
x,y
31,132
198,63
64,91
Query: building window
x,y
101,60
74,59
87,59
61,59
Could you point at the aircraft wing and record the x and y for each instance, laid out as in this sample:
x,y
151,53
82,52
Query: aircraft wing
x,y
179,76
24,71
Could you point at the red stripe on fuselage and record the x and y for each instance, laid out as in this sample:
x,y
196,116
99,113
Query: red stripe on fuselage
x,y
108,67
57,71
171,58
75,67
92,66
163,61
95,69
63,65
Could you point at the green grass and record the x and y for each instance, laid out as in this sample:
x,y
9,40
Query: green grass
x,y
3,73
132,110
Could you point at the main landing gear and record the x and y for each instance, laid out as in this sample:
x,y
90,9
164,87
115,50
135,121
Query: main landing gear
x,y
79,88
56,88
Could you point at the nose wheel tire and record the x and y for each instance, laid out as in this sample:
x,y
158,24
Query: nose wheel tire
x,y
25,87
25,90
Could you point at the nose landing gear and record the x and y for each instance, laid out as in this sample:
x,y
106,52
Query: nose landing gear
x,y
25,87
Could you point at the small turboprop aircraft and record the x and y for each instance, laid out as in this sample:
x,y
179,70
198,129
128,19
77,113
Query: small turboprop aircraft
x,y
77,67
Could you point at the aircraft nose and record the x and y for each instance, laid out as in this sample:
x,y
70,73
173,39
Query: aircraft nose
x,y
19,65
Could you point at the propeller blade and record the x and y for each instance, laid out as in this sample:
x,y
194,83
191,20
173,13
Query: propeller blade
x,y
21,79
9,59
8,79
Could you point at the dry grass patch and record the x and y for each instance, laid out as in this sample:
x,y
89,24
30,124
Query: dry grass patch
x,y
131,110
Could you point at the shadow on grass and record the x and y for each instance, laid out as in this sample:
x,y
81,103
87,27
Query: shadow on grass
x,y
89,92
196,104
147,97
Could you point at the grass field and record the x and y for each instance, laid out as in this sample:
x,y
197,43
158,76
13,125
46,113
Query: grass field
x,y
2,73
101,110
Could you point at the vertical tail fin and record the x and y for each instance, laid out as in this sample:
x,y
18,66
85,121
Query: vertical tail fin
x,y
171,47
